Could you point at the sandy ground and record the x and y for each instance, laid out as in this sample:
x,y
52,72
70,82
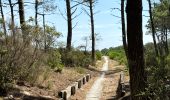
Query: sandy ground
x,y
96,90
58,82
109,86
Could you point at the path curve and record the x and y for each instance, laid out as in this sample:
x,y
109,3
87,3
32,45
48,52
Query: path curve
x,y
96,89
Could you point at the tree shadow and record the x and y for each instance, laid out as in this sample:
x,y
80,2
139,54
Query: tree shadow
x,y
109,72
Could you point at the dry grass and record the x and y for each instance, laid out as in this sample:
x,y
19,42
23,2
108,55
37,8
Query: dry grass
x,y
99,64
110,86
54,83
112,79
58,81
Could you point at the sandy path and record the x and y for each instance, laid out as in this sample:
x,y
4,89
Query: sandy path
x,y
96,89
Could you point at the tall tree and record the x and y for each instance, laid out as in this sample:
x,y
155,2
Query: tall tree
x,y
159,25
22,18
152,27
90,5
125,44
3,19
71,9
91,2
12,20
69,23
135,49
48,7
36,12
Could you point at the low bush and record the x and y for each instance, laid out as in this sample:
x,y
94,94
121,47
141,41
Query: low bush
x,y
54,60
25,59
158,74
75,58
118,55
17,62
98,55
80,70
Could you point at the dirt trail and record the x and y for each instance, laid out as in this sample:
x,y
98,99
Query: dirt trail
x,y
102,86
96,89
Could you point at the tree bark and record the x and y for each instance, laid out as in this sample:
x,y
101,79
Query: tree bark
x,y
22,18
135,49
12,20
36,12
45,37
125,44
69,22
153,28
92,30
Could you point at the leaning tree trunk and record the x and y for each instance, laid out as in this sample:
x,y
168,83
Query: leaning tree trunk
x,y
22,18
125,45
69,22
92,30
153,28
135,49
3,19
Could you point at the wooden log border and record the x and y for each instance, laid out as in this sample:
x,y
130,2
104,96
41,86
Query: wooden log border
x,y
71,90
121,86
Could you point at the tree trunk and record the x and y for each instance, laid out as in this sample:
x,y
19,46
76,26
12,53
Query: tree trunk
x,y
92,30
45,37
135,49
12,21
153,28
3,19
125,45
22,18
36,12
69,22
166,42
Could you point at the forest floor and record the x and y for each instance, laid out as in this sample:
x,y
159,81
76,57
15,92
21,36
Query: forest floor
x,y
59,81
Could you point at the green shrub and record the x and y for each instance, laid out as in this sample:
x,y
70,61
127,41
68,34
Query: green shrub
x,y
157,69
86,61
117,54
75,58
157,86
98,55
54,60
80,70
113,55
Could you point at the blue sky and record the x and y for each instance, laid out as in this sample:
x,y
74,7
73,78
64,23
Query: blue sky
x,y
107,26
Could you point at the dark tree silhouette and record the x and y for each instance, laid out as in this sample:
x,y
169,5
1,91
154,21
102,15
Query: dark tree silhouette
x,y
69,22
36,12
3,19
152,27
12,20
125,44
22,18
92,29
135,49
